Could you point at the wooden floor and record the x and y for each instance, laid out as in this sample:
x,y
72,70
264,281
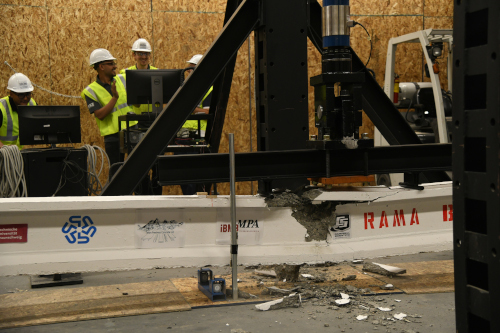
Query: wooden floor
x,y
63,305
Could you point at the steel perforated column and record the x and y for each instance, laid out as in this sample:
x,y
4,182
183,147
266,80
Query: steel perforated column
x,y
476,165
281,78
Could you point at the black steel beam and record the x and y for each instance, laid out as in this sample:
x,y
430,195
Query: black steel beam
x,y
180,169
181,105
381,110
220,94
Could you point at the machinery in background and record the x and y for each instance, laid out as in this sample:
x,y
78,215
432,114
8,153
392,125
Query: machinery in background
x,y
338,90
431,103
338,97
215,289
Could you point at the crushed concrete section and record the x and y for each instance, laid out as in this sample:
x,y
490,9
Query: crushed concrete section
x,y
383,269
285,199
349,278
312,194
400,316
289,273
270,273
292,301
317,219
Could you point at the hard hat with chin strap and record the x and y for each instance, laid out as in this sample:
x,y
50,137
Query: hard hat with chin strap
x,y
99,55
195,59
141,45
19,83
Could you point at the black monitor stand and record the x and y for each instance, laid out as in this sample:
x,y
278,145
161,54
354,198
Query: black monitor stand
x,y
157,93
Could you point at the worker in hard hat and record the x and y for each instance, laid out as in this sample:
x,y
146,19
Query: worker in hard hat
x,y
204,105
192,125
141,50
20,88
106,98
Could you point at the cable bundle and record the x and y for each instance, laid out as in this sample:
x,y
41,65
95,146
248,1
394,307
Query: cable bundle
x,y
73,173
94,184
12,180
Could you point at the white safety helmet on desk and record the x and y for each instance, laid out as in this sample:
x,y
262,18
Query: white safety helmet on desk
x,y
19,83
141,45
99,55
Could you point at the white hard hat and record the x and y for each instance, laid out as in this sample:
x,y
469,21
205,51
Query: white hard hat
x,y
141,45
195,59
99,55
19,83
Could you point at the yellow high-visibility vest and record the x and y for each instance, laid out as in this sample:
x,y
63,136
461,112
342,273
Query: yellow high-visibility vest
x,y
96,92
193,124
9,132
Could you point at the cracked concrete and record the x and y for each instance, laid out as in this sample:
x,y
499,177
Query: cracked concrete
x,y
317,219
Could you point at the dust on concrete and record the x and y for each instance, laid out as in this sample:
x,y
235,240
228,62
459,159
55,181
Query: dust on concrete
x,y
317,219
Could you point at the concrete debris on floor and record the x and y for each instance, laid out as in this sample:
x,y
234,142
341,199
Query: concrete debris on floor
x,y
386,270
292,301
341,289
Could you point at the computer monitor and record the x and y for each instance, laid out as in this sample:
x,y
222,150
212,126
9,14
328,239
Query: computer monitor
x,y
49,124
156,87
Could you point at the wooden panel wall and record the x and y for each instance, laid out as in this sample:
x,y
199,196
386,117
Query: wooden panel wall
x,y
51,40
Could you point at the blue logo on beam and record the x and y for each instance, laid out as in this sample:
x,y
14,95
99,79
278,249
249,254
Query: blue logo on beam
x,y
79,229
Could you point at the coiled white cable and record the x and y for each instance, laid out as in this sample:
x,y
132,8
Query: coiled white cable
x,y
94,184
12,180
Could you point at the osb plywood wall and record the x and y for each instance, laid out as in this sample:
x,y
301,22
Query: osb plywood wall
x,y
51,40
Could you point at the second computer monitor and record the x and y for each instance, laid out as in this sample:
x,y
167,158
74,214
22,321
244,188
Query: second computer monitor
x,y
155,87
49,124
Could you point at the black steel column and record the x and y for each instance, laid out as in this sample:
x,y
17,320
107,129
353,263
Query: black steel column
x,y
476,161
281,79
220,94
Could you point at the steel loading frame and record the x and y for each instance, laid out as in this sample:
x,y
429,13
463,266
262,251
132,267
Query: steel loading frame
x,y
281,31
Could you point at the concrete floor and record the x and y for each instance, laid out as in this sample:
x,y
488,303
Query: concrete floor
x,y
426,312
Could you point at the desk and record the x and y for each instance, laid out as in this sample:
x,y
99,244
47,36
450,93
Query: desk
x,y
150,117
43,169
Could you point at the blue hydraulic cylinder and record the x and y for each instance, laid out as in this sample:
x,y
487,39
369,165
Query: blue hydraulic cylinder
x,y
336,30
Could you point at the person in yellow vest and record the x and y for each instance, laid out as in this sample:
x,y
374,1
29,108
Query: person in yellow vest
x,y
20,88
106,98
204,106
141,50
192,125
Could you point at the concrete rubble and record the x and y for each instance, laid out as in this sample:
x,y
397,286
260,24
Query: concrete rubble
x,y
359,304
288,273
270,273
292,301
317,219
386,270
